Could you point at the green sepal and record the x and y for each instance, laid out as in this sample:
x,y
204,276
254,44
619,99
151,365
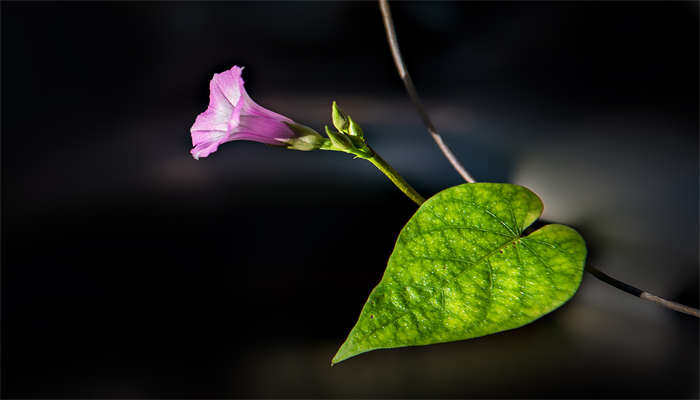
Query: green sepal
x,y
307,139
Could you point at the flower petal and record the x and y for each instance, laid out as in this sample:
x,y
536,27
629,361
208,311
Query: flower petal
x,y
250,107
206,142
262,129
228,84
224,94
212,120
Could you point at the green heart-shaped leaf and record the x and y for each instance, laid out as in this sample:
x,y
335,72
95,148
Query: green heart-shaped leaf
x,y
460,269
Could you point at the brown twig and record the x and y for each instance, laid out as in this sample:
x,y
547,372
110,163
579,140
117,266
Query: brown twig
x,y
413,94
641,293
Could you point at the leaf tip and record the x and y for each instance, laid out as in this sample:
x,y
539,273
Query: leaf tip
x,y
342,355
347,350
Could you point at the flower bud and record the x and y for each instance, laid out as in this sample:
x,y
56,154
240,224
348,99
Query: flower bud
x,y
339,140
355,129
340,119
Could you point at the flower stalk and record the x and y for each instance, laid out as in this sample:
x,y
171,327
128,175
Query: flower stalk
x,y
394,176
350,138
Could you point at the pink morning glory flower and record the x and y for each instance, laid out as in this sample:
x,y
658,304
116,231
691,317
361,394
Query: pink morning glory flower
x,y
233,115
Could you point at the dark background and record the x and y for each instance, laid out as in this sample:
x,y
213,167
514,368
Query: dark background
x,y
131,270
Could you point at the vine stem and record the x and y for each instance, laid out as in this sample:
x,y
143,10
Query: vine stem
x,y
413,94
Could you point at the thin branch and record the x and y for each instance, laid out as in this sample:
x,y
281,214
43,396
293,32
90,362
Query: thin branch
x,y
411,89
641,293
413,94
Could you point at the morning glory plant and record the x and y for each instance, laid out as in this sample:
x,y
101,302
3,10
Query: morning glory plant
x,y
466,263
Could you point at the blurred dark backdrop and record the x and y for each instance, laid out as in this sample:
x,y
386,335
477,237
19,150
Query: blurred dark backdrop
x,y
131,270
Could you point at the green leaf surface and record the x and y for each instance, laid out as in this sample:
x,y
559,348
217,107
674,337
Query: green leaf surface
x,y
461,269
